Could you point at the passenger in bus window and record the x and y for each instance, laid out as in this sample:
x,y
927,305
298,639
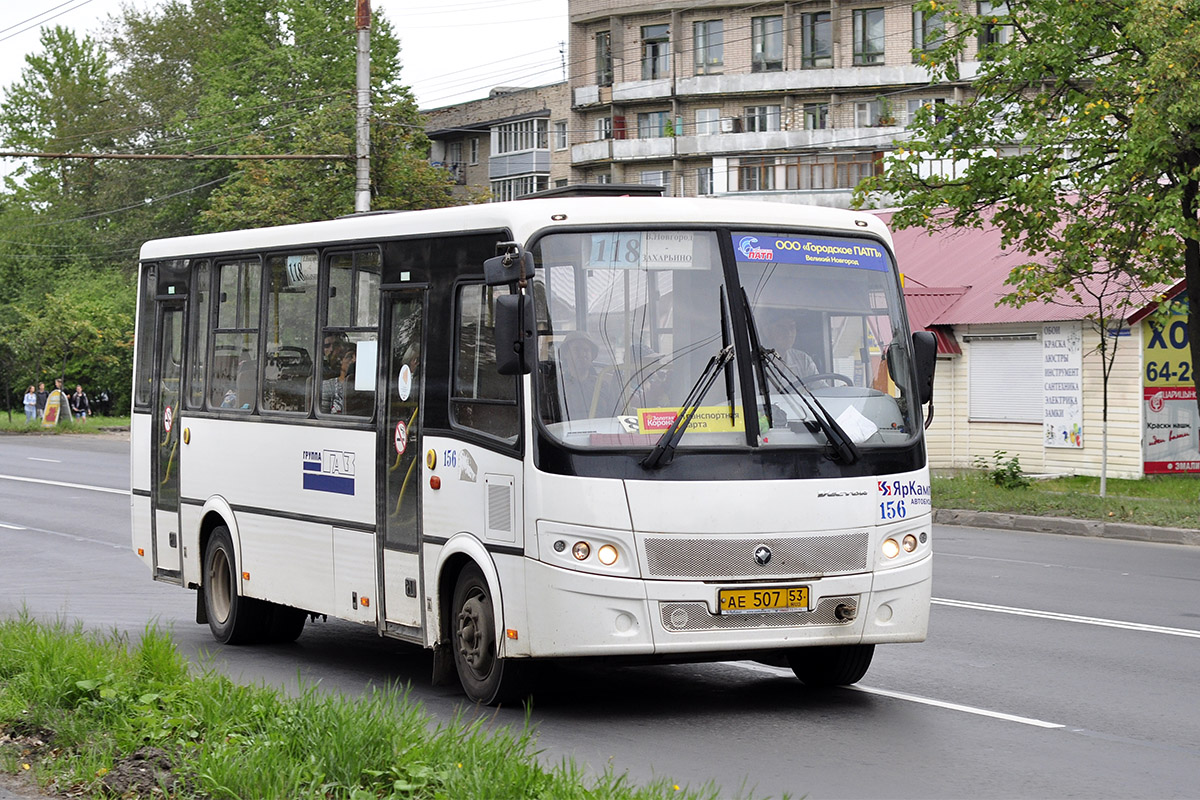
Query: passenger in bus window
x,y
585,392
338,369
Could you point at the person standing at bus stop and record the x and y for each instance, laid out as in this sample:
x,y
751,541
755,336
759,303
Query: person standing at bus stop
x,y
79,403
31,404
42,396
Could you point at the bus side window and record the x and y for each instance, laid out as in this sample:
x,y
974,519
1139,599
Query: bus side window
x,y
291,325
235,338
350,334
481,399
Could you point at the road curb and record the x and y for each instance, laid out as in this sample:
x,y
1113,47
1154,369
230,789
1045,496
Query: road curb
x,y
1065,525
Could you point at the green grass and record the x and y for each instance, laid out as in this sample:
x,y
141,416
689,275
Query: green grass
x,y
75,706
93,424
1163,500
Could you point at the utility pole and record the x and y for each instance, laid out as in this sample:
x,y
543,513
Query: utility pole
x,y
362,182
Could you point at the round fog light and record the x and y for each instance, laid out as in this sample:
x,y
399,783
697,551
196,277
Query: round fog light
x,y
891,548
607,555
581,550
910,543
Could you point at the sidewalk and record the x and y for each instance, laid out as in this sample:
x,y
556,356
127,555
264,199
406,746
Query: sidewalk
x,y
1065,525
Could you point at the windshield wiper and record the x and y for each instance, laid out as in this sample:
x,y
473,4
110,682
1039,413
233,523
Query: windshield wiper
x,y
771,368
759,370
779,373
664,450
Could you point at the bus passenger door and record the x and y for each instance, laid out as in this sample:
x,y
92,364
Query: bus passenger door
x,y
165,454
402,364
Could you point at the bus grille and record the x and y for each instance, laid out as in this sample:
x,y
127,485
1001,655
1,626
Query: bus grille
x,y
807,556
693,616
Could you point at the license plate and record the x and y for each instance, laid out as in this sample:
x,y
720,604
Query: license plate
x,y
759,601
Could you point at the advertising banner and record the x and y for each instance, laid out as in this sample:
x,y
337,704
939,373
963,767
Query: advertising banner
x,y
1062,384
1169,437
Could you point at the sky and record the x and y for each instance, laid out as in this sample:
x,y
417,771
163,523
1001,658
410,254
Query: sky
x,y
451,51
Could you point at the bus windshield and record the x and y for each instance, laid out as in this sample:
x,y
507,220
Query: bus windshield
x,y
633,323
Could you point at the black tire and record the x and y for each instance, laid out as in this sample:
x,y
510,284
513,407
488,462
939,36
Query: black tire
x,y
833,665
285,624
233,619
485,677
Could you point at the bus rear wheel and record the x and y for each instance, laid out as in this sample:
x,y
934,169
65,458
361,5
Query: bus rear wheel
x,y
232,618
832,665
485,677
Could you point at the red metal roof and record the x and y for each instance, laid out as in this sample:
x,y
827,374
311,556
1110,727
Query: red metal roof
x,y
973,260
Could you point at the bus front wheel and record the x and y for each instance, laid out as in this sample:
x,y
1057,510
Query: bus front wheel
x,y
233,619
832,665
486,678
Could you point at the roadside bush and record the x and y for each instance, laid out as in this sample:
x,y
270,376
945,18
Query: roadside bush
x,y
1004,472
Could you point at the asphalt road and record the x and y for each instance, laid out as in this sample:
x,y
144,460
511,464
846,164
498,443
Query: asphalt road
x,y
1057,666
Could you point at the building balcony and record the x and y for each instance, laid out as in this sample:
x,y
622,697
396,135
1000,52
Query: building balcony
x,y
725,144
801,80
522,163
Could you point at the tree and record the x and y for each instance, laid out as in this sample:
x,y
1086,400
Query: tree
x,y
1081,138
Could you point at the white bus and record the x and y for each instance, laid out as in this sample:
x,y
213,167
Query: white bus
x,y
642,428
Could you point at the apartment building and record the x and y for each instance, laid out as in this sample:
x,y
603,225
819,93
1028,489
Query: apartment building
x,y
511,143
795,102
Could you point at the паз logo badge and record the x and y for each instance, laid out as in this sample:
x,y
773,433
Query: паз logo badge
x,y
329,471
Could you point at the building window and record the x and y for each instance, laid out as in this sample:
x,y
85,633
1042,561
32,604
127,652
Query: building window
x,y
657,177
561,182
816,116
704,180
816,41
656,52
513,137
512,188
762,118
993,32
830,171
708,120
766,44
1004,381
604,128
454,162
868,36
866,114
708,46
603,177
756,175
604,67
474,150
653,125
560,134
915,104
929,30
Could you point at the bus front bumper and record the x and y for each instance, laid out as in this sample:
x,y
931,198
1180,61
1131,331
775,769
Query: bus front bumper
x,y
570,613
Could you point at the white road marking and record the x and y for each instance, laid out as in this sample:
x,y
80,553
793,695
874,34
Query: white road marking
x,y
1105,623
65,485
912,698
47,460
11,527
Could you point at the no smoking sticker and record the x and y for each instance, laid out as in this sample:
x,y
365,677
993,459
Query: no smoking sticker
x,y
401,438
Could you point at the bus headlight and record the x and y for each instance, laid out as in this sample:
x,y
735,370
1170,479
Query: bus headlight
x,y
909,543
581,551
891,548
607,555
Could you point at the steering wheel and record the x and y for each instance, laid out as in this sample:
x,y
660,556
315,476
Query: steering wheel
x,y
827,377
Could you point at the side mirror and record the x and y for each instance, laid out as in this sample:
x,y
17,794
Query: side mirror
x,y
514,334
514,265
925,356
